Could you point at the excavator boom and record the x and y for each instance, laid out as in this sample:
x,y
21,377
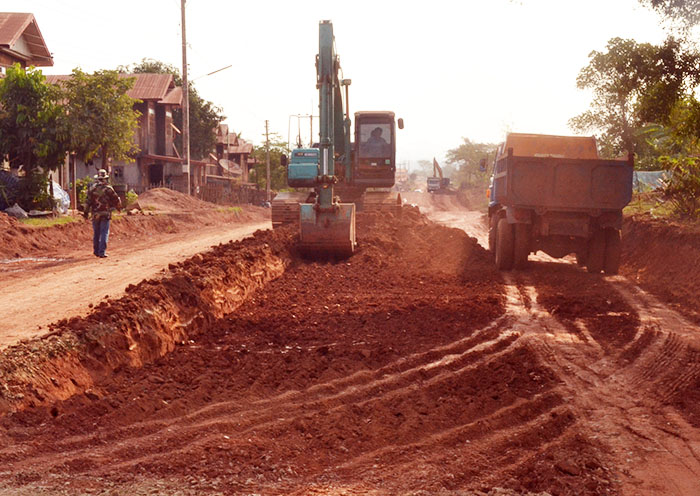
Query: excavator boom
x,y
327,227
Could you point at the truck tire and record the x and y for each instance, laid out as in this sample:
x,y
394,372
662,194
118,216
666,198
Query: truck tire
x,y
581,257
521,245
504,245
613,251
493,222
596,252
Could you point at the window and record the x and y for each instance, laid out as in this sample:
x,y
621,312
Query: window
x,y
375,140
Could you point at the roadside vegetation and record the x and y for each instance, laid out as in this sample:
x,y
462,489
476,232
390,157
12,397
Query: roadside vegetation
x,y
644,101
90,115
42,222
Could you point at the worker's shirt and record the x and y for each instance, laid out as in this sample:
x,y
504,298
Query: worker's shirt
x,y
102,199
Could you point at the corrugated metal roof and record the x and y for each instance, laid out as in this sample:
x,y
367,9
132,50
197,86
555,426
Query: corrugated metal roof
x,y
241,148
174,97
150,86
159,87
15,25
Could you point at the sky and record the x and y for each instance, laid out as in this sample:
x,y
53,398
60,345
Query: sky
x,y
456,69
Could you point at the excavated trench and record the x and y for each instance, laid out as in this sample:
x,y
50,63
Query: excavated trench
x,y
412,367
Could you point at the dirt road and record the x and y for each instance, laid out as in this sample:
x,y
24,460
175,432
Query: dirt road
x,y
411,368
39,291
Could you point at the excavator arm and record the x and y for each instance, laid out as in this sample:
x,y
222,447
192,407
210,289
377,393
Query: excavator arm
x,y
327,227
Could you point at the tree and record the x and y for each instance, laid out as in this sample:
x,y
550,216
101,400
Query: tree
x,y
634,84
31,132
466,159
204,115
686,13
101,116
278,173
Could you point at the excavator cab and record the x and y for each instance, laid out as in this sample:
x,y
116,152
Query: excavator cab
x,y
375,149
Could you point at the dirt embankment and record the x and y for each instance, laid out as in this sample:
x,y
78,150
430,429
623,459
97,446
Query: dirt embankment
x,y
664,258
153,317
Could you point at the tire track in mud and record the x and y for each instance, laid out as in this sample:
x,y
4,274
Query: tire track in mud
x,y
372,375
399,371
632,366
653,362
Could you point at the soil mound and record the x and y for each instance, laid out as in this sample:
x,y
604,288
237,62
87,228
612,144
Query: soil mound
x,y
166,200
664,258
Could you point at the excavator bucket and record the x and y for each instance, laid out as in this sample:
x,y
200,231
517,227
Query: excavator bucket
x,y
328,234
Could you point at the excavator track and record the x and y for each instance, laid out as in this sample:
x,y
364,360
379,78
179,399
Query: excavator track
x,y
285,207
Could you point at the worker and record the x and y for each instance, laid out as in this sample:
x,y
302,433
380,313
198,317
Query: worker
x,y
375,145
101,200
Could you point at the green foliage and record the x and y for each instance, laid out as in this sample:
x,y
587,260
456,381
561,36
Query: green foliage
x,y
649,202
682,188
131,198
204,115
230,210
42,222
101,116
466,159
31,132
686,13
278,173
81,188
633,85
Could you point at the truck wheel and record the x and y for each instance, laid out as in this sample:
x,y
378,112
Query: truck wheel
x,y
581,257
493,221
504,245
596,252
521,245
613,250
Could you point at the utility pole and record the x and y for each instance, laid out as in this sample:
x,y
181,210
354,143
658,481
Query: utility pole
x,y
185,103
267,160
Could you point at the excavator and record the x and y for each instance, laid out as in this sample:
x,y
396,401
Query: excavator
x,y
344,175
437,183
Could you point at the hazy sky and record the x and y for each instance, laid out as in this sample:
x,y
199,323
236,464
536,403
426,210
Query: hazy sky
x,y
451,69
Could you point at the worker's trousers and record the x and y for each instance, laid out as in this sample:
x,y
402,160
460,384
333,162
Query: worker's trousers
x,y
100,235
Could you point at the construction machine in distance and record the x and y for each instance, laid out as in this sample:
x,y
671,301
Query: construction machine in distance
x,y
437,183
342,173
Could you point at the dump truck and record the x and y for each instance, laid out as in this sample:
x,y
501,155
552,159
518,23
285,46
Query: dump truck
x,y
555,194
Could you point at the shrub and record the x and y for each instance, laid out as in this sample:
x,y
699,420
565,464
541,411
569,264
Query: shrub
x,y
682,188
131,198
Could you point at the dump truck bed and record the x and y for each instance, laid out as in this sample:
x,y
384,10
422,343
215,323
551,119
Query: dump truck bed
x,y
566,184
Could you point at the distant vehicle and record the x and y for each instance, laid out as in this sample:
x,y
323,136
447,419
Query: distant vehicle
x,y
553,193
437,183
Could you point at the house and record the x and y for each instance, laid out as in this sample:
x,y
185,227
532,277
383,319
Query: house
x,y
157,162
21,42
233,158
